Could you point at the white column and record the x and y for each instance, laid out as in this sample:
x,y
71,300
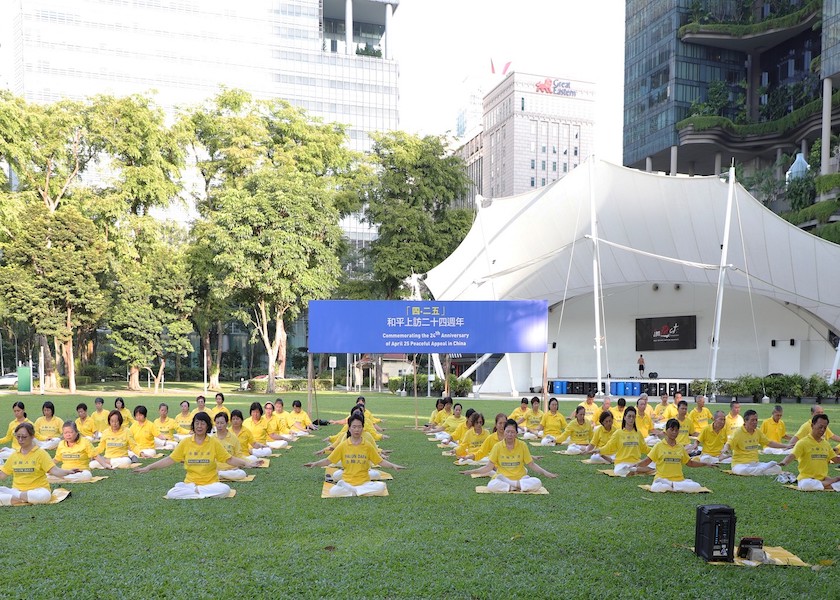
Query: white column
x,y
389,13
779,173
348,26
673,161
803,148
648,164
825,152
718,162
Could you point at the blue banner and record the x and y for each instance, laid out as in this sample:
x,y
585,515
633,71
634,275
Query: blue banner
x,y
405,326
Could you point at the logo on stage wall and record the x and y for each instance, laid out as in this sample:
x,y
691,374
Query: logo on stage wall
x,y
666,333
557,87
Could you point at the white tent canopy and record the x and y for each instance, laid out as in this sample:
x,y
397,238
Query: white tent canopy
x,y
536,245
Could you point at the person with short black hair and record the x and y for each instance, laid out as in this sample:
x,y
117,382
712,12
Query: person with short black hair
x,y
734,420
299,421
99,416
85,424
805,429
713,438
553,424
28,466
119,404
591,410
219,407
520,414
666,459
48,427
626,446
600,437
116,447
578,432
746,443
74,454
533,420
813,453
19,411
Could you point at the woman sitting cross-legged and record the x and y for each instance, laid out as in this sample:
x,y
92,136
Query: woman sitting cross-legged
x,y
627,445
600,438
356,457
230,442
201,455
511,458
28,467
116,445
669,458
74,453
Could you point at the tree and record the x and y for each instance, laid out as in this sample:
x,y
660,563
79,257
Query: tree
x,y
409,202
51,274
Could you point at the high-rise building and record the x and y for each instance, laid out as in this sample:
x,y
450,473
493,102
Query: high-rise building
x,y
708,82
536,129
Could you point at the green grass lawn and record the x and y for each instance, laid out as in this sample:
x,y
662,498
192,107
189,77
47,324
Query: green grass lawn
x,y
433,537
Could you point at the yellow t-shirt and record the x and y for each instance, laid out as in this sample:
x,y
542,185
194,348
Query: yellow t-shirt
x,y
685,431
813,457
356,460
47,430
128,419
442,416
713,442
184,423
258,428
370,417
471,441
553,424
459,431
628,446
644,423
231,444
577,434
451,423
276,425
77,456
29,471
167,428
196,410
805,430
86,428
617,414
659,410
434,416
601,436
116,445
246,440
732,425
511,463
773,430
301,420
591,412
671,412
144,435
669,460
746,446
10,434
100,419
699,419
219,409
519,415
491,440
200,460
533,419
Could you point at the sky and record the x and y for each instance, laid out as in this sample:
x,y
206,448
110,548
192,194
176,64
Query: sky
x,y
438,43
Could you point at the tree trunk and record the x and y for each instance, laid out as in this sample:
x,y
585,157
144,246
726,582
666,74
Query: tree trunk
x,y
159,375
215,365
50,377
281,338
134,378
71,365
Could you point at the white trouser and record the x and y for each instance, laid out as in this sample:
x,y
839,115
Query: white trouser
x,y
50,444
575,449
443,437
342,488
529,436
624,469
299,432
815,485
597,458
339,474
233,474
500,483
116,463
261,452
547,441
708,459
776,451
190,491
80,476
36,496
651,440
252,460
148,452
6,453
757,468
666,485
276,444
165,444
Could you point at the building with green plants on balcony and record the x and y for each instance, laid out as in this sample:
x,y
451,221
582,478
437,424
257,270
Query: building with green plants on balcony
x,y
710,82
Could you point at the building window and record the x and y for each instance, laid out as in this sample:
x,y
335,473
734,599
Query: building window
x,y
543,181
533,163
522,105
543,165
565,167
576,150
554,149
554,166
533,180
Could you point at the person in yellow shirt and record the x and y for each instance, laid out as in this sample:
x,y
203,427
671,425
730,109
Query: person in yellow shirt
x,y
552,425
746,443
684,437
734,420
200,406
356,457
520,414
644,420
660,410
712,439
510,459
184,421
299,421
700,416
167,428
444,431
251,448
369,416
277,428
813,453
533,420
19,411
99,416
230,442
116,444
495,436
805,429
460,430
28,467
774,428
591,409
438,408
201,455
600,436
119,404
618,410
74,453
668,457
473,437
578,432
84,423
220,407
626,446
145,433
48,427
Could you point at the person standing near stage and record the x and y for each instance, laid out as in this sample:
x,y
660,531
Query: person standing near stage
x,y
641,363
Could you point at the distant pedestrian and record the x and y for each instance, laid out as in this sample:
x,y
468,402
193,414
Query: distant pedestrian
x,y
641,363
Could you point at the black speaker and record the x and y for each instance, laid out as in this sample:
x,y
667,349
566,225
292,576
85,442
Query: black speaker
x,y
773,343
683,389
792,341
714,533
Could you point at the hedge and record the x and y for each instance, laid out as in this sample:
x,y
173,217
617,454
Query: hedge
x,y
739,30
